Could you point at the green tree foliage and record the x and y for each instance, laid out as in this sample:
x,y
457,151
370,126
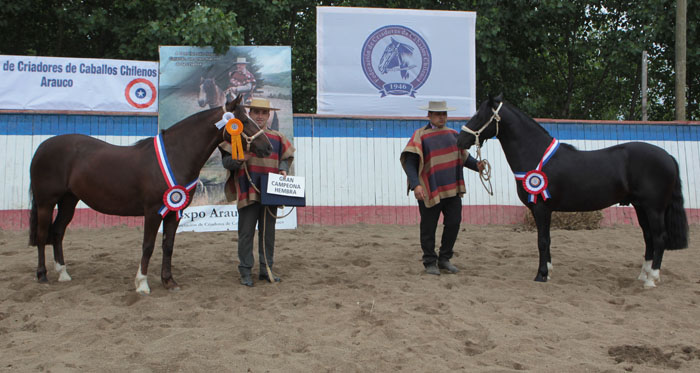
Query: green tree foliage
x,y
552,58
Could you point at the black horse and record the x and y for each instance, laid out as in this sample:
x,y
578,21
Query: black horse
x,y
126,181
567,179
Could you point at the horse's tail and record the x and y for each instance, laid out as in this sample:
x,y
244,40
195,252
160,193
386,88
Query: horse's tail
x,y
32,219
676,220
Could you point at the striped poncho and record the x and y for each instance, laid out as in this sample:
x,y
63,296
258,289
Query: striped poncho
x,y
440,169
282,149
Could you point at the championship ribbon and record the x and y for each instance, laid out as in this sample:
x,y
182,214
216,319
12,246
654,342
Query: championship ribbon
x,y
176,197
234,127
535,181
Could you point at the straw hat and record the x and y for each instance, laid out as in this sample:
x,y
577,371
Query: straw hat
x,y
241,60
437,106
260,103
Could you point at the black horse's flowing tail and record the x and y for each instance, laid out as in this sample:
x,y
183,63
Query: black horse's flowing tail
x,y
32,219
676,220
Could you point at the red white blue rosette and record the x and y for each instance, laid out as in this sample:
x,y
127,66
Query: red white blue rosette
x,y
535,182
176,198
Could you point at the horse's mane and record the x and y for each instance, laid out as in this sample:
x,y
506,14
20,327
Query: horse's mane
x,y
524,117
194,116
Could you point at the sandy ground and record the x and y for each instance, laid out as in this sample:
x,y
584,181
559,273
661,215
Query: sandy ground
x,y
353,299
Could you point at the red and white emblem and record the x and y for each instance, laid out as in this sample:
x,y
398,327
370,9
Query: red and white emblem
x,y
140,93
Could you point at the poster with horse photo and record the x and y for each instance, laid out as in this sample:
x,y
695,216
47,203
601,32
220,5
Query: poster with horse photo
x,y
195,79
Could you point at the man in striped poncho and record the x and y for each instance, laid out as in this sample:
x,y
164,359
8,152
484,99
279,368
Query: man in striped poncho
x,y
250,211
433,164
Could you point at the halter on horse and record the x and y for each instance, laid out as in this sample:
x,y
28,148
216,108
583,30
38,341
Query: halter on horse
x,y
567,179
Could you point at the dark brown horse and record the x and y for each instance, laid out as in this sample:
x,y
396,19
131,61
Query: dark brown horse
x,y
124,181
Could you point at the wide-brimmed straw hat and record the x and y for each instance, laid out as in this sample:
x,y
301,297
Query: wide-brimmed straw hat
x,y
437,106
260,103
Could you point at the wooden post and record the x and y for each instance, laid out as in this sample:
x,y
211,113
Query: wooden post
x,y
644,85
681,11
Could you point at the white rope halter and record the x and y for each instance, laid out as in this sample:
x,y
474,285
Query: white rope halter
x,y
485,174
483,127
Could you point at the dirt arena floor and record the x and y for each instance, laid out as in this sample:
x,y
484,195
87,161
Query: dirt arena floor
x,y
353,299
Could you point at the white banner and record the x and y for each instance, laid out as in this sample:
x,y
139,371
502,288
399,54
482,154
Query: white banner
x,y
373,61
81,84
225,218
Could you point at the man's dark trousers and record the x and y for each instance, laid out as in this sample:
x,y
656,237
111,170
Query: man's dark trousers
x,y
451,209
247,218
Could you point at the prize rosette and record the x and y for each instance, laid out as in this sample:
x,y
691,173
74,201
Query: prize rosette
x,y
535,182
176,198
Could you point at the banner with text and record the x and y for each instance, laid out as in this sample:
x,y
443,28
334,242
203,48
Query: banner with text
x,y
373,61
80,84
216,218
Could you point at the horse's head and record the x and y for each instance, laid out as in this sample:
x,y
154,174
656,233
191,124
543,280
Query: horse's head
x,y
209,93
255,139
395,57
483,125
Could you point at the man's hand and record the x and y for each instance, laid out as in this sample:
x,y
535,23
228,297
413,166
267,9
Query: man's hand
x,y
283,173
480,165
419,193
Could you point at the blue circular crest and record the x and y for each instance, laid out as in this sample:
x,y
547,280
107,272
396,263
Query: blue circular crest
x,y
396,60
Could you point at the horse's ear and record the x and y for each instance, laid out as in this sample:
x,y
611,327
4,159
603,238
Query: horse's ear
x,y
231,106
498,99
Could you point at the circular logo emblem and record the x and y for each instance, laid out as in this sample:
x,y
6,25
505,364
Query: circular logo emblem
x,y
140,93
535,182
176,198
396,60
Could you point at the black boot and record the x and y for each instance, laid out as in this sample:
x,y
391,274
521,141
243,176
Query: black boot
x,y
445,264
263,276
246,279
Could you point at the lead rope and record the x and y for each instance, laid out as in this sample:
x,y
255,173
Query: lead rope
x,y
270,275
485,174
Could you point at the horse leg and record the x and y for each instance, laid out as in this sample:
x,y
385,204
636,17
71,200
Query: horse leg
x,y
150,231
649,248
658,238
66,209
43,226
170,224
543,219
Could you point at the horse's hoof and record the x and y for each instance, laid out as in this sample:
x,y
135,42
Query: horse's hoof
x,y
170,284
649,284
540,278
64,277
42,279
